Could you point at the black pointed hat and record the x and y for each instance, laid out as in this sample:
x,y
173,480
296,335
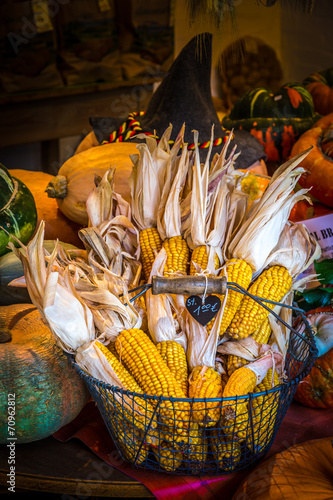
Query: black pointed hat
x,y
183,97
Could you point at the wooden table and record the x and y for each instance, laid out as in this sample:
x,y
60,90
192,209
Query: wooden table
x,y
70,467
66,468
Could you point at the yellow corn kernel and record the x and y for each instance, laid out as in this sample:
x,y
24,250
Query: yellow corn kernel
x,y
205,382
142,359
240,383
168,457
272,284
200,256
226,450
150,245
131,445
175,357
261,335
178,256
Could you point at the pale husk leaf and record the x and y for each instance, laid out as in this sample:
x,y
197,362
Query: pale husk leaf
x,y
146,180
169,212
70,322
296,249
201,349
99,203
246,348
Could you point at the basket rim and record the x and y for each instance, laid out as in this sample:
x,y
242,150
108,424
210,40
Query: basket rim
x,y
243,398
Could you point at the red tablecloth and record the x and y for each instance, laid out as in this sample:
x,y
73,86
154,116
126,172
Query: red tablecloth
x,y
299,425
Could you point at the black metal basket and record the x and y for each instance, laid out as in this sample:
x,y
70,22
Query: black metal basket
x,y
161,434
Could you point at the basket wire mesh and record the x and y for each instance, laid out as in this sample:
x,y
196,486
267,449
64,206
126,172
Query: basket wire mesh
x,y
163,434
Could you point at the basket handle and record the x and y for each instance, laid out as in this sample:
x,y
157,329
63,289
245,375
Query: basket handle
x,y
189,285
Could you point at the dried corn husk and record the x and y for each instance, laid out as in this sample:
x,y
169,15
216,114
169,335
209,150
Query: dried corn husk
x,y
201,348
247,348
296,249
268,216
77,305
147,179
165,311
169,211
209,205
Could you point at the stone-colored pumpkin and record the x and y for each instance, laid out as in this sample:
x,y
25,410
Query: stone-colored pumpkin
x,y
76,177
48,393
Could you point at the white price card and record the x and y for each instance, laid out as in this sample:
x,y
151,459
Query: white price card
x,y
322,229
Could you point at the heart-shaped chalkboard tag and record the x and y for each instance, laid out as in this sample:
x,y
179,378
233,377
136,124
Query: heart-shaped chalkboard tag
x,y
203,312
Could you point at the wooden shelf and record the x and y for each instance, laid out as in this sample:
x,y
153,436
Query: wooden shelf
x,y
56,113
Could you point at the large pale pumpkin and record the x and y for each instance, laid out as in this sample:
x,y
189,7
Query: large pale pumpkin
x,y
316,390
319,162
57,226
48,393
76,177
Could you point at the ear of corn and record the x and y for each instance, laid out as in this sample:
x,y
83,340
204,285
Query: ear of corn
x,y
200,257
141,357
226,451
205,382
240,383
167,456
272,284
175,358
141,415
238,271
178,256
264,411
150,245
131,445
261,335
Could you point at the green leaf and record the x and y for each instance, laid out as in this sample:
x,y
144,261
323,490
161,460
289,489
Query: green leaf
x,y
318,297
325,269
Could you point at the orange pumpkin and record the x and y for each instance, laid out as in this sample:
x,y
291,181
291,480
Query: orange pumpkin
x,y
318,165
57,225
320,86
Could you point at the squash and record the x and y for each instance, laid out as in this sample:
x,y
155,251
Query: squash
x,y
276,120
316,390
11,268
319,162
56,224
18,213
254,184
320,86
75,179
47,391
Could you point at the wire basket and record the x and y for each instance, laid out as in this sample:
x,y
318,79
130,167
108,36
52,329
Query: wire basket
x,y
161,434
